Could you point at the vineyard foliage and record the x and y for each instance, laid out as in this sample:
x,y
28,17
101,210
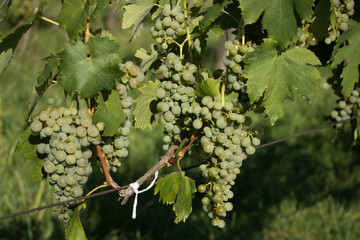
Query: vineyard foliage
x,y
274,58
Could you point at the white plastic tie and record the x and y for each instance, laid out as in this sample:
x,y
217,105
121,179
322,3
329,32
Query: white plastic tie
x,y
136,186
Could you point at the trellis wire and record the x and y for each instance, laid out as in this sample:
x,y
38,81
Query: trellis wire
x,y
185,169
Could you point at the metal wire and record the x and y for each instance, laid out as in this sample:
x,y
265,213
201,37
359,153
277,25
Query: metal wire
x,y
185,169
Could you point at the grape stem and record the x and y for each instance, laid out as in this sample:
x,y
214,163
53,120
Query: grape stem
x,y
87,35
168,159
49,20
101,156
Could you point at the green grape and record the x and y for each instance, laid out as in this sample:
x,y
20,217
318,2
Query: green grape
x,y
70,147
86,121
342,104
197,123
36,126
201,189
180,17
246,142
71,179
221,123
76,192
93,131
70,159
187,75
220,210
208,147
250,150
60,156
160,93
256,141
49,167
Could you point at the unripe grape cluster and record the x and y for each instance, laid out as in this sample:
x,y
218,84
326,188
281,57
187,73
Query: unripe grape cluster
x,y
176,97
234,64
225,143
346,107
116,147
343,10
66,136
169,26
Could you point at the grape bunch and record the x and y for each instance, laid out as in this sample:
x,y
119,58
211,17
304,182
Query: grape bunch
x,y
116,147
234,64
66,136
346,107
342,10
169,26
176,97
225,143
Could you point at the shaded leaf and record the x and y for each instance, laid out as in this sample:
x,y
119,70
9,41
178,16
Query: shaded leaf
x,y
74,229
142,113
279,77
88,76
177,189
44,80
73,16
4,7
209,87
111,113
232,97
279,16
101,6
11,39
213,12
322,19
147,58
26,144
349,53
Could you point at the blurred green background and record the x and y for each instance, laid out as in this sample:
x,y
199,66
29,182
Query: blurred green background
x,y
305,188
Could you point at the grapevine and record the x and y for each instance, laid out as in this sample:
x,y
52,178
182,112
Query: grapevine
x,y
269,56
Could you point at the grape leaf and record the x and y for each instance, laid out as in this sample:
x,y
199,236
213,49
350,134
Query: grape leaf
x,y
44,80
350,53
88,76
110,112
142,112
10,40
74,229
147,58
177,189
73,16
232,97
4,7
322,19
209,87
213,12
26,144
101,6
278,77
279,16
135,14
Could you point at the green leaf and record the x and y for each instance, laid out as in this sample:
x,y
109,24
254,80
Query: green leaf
x,y
142,112
74,229
4,7
213,12
279,16
322,19
73,16
177,189
209,87
44,80
146,57
111,113
232,97
88,76
11,39
278,77
135,14
26,144
101,6
350,53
